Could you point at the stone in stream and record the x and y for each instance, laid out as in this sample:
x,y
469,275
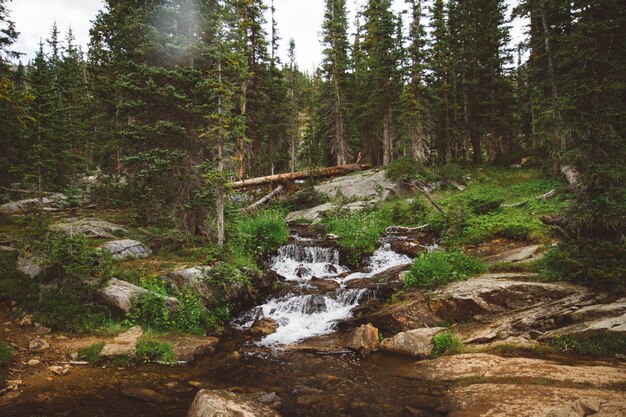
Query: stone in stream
x,y
314,304
416,343
324,284
407,247
363,339
89,227
264,327
145,394
124,344
221,403
190,348
127,249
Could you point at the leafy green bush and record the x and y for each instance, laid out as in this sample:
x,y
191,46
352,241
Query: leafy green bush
x,y
191,316
5,353
91,353
359,231
402,169
152,350
446,343
606,345
263,232
437,268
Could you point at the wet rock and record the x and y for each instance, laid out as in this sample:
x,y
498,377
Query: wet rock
x,y
38,345
60,370
119,295
30,266
416,343
264,327
406,315
314,304
89,227
303,271
364,339
127,249
124,344
406,247
220,403
324,284
191,348
145,394
523,254
534,401
24,206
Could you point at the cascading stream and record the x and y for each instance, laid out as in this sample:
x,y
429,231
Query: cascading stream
x,y
300,316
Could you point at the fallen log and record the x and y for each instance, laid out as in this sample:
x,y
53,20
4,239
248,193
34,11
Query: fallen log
x,y
401,230
262,201
292,176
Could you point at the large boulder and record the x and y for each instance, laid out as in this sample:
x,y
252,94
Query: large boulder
x,y
314,214
416,343
89,227
127,249
220,403
125,344
120,295
364,339
24,206
366,185
399,317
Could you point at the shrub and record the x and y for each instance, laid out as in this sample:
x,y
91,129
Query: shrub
x,y
5,354
484,204
152,350
263,232
359,231
606,345
91,353
191,316
151,310
402,169
437,268
446,343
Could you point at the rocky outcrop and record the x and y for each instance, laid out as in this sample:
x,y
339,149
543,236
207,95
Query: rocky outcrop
x,y
124,344
517,255
399,317
127,249
363,339
366,185
264,327
314,215
416,343
120,295
220,403
51,201
89,227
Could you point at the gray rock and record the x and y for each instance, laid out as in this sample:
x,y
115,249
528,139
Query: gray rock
x,y
363,185
523,254
416,343
38,345
314,215
127,249
89,227
314,304
220,403
125,344
24,206
192,277
120,295
30,266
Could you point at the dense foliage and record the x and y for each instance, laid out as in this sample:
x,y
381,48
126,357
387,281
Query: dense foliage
x,y
437,268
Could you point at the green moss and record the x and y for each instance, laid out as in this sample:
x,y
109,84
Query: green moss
x,y
446,343
6,353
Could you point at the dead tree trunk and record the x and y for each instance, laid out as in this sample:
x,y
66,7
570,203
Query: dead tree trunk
x,y
292,176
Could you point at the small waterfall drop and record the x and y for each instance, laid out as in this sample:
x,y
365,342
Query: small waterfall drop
x,y
301,314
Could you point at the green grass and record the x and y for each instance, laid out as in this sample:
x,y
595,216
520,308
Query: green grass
x,y
438,268
152,350
91,353
358,231
606,345
263,232
6,353
446,343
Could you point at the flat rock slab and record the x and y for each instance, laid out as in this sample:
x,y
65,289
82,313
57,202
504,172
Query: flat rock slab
x,y
24,206
124,344
507,400
362,185
314,215
89,227
416,343
220,403
488,366
517,255
191,348
127,249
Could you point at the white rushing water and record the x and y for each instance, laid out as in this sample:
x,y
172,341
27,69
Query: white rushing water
x,y
300,316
